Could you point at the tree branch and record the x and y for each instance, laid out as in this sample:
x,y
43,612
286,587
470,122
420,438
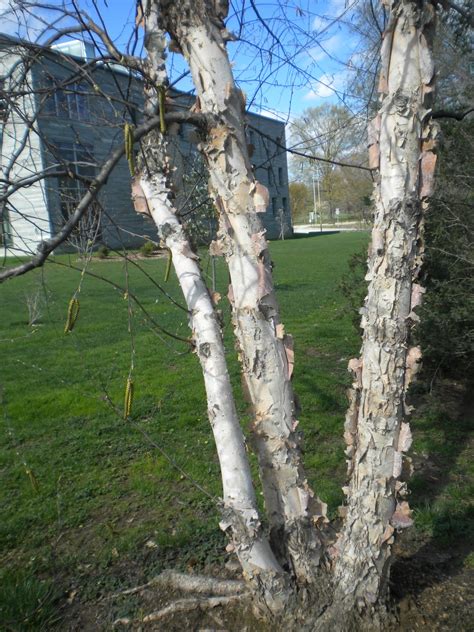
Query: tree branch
x,y
458,116
467,15
309,156
46,247
132,296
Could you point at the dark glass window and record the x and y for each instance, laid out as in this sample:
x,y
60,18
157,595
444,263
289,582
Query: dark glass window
x,y
70,102
3,102
280,176
4,226
79,160
274,206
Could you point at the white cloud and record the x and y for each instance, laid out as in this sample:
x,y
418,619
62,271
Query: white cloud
x,y
26,21
327,86
334,8
327,47
9,21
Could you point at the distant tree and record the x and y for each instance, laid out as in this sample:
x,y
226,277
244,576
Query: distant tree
x,y
301,202
333,133
349,190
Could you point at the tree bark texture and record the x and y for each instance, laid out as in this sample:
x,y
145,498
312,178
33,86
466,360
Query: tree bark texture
x,y
265,350
153,195
402,143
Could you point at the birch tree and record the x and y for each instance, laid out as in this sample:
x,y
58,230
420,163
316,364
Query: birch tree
x,y
403,143
153,194
303,574
377,432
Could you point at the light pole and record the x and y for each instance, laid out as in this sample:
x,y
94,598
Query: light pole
x,y
319,198
319,204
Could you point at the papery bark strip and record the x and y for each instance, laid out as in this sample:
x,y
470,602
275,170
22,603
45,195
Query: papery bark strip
x,y
376,432
265,351
152,192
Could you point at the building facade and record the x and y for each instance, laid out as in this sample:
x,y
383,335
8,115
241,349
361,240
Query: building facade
x,y
66,111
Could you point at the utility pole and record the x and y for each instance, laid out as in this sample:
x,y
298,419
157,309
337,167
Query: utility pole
x,y
314,198
319,199
320,207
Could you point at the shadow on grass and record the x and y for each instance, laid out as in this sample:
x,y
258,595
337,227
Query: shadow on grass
x,y
291,287
436,550
27,602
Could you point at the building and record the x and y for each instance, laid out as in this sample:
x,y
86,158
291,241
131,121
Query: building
x,y
65,107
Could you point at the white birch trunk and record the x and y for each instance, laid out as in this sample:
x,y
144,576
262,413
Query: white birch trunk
x,y
403,148
240,513
265,350
152,194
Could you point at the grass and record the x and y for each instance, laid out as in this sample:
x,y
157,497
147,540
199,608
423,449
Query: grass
x,y
95,502
442,490
27,603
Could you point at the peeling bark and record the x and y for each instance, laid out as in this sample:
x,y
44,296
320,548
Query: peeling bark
x,y
239,512
403,147
152,190
376,431
265,352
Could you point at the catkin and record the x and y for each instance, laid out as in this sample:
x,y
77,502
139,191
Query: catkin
x,y
161,104
168,266
33,479
127,409
128,136
72,314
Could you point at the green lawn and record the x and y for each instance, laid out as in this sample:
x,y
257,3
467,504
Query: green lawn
x,y
92,502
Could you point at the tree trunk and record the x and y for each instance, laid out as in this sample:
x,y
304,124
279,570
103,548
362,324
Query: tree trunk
x,y
403,148
153,195
265,351
376,429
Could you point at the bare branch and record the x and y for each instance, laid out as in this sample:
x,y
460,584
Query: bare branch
x,y
467,15
457,116
47,246
308,156
132,296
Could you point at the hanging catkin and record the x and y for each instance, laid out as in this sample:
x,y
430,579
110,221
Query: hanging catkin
x,y
127,409
168,265
128,138
161,103
72,314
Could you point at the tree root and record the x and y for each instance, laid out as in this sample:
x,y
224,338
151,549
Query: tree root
x,y
216,592
200,584
184,605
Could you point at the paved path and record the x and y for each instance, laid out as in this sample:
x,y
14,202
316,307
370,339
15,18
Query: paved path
x,y
327,228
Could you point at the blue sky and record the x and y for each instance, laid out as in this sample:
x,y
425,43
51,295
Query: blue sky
x,y
310,69
320,45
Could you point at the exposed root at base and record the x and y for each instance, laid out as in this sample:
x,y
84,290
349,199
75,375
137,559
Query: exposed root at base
x,y
200,584
184,605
